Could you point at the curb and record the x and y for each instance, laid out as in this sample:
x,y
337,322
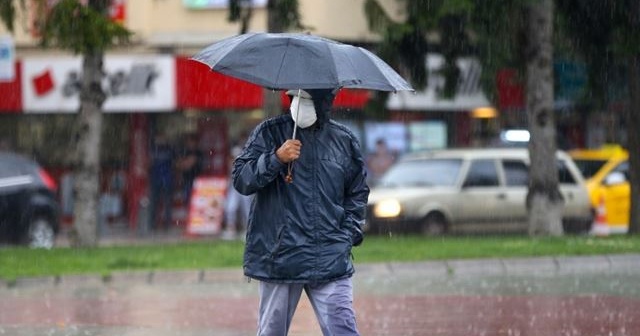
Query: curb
x,y
624,263
548,266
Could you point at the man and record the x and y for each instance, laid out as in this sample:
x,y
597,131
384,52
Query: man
x,y
301,231
236,208
190,163
379,161
161,183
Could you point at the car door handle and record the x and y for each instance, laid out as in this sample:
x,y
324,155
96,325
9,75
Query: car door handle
x,y
501,196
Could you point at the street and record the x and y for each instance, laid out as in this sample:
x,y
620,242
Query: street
x,y
597,295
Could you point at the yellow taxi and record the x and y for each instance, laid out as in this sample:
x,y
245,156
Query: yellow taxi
x,y
606,172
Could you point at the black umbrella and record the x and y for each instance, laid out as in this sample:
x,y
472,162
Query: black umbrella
x,y
300,61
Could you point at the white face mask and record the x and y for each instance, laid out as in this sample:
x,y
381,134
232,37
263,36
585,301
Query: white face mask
x,y
303,112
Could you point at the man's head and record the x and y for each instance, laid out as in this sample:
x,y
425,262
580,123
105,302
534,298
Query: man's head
x,y
322,101
303,111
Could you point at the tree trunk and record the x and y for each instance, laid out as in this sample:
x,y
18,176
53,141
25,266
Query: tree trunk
x,y
633,136
88,137
544,200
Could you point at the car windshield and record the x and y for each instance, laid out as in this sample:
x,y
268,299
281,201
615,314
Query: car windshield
x,y
588,168
421,173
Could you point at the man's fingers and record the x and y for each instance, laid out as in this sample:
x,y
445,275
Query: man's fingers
x,y
289,151
293,148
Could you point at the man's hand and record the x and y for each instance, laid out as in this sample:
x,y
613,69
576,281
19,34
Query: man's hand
x,y
289,151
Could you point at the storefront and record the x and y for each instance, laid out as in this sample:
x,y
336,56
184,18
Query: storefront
x,y
150,95
147,95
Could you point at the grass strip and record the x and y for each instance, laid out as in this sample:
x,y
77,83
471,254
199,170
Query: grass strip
x,y
16,262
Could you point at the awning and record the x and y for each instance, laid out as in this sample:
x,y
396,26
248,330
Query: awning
x,y
199,87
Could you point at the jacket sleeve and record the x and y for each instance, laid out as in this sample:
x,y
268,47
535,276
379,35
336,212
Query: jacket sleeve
x,y
258,164
356,196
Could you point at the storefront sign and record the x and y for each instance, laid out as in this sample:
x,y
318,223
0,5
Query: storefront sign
x,y
393,133
132,84
7,59
200,88
206,210
468,96
427,135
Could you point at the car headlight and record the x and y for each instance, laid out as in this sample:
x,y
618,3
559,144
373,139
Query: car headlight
x,y
387,208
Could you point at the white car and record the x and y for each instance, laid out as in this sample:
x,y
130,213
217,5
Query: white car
x,y
469,191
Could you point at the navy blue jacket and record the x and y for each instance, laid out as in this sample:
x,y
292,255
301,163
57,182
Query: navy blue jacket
x,y
303,232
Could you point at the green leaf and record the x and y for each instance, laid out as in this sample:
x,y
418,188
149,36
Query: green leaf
x,y
7,14
82,29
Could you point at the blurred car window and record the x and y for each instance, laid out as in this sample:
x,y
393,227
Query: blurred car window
x,y
9,168
564,175
482,173
433,172
589,168
516,173
623,168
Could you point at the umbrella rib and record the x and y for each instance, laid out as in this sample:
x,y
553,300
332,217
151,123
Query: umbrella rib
x,y
286,51
336,79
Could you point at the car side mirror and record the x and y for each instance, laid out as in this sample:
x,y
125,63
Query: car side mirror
x,y
614,178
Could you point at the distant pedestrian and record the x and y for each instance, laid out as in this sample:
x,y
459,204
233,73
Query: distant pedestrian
x,y
161,182
236,209
379,161
190,165
309,208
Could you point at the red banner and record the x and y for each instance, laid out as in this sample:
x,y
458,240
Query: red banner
x,y
510,89
11,93
138,165
199,87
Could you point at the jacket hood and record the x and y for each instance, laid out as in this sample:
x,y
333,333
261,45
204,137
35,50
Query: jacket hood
x,y
322,102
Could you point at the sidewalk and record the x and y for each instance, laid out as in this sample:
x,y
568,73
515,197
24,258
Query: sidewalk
x,y
119,233
591,295
594,295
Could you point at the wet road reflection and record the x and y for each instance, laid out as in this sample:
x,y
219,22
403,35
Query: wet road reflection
x,y
408,302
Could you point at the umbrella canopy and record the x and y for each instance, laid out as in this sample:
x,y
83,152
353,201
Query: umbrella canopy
x,y
300,61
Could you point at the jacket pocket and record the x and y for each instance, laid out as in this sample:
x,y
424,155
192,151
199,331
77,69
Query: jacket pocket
x,y
278,244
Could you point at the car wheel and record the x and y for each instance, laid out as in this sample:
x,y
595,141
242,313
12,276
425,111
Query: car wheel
x,y
41,233
434,225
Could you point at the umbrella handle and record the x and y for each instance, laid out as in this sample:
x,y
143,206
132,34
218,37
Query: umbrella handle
x,y
289,177
295,121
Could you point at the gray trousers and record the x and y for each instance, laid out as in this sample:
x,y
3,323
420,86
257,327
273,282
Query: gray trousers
x,y
332,303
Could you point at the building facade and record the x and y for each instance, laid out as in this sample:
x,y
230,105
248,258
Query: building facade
x,y
154,88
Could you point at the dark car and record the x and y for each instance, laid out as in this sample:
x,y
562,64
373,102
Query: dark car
x,y
29,210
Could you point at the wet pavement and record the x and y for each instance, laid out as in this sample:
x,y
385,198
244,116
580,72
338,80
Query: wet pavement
x,y
597,295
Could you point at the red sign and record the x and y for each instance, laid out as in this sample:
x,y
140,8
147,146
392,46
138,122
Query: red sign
x,y
11,93
43,83
206,210
199,87
510,89
138,165
118,11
